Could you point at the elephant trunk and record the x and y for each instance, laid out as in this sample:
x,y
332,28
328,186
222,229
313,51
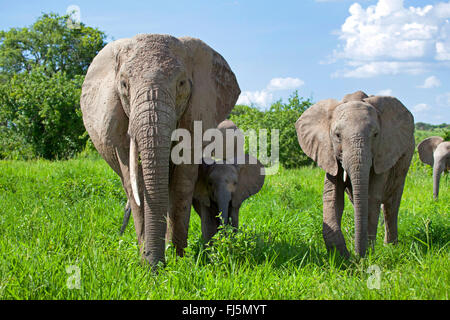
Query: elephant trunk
x,y
151,124
359,170
438,168
223,202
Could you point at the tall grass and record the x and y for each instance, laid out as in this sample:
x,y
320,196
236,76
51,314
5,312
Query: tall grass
x,y
60,218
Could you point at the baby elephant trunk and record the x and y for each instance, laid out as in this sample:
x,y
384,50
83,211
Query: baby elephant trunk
x,y
223,203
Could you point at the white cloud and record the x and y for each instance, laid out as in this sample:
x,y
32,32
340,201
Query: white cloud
x,y
264,97
391,33
443,50
376,68
385,92
261,98
284,84
421,107
430,82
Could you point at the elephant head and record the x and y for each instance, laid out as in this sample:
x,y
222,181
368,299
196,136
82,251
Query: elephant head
x,y
136,92
233,140
221,188
435,152
357,134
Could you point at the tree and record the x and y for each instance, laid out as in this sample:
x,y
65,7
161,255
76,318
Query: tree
x,y
41,71
281,116
50,42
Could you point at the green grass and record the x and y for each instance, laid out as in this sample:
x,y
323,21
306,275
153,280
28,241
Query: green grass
x,y
54,215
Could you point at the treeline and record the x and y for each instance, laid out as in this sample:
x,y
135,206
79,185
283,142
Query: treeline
x,y
431,127
42,68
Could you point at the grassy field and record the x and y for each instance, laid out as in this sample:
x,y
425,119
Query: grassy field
x,y
59,222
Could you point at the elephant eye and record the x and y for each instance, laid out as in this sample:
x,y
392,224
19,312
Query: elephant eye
x,y
376,134
124,84
182,82
338,135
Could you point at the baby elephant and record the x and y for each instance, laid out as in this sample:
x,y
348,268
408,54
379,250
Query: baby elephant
x,y
435,152
220,190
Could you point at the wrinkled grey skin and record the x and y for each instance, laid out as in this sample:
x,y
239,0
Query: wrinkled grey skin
x,y
135,93
372,140
435,152
220,190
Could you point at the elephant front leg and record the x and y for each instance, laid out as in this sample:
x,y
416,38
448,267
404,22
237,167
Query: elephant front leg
x,y
376,189
234,217
182,184
333,207
391,201
209,222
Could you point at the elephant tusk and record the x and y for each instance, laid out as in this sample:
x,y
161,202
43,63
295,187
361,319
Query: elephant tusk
x,y
345,176
134,165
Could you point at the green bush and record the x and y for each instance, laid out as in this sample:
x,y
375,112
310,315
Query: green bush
x,y
446,135
41,116
281,116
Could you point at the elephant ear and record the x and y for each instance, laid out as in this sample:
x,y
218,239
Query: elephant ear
x,y
396,134
215,89
201,191
100,102
426,149
313,133
250,181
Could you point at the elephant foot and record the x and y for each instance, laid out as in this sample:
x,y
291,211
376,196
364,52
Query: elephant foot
x,y
371,243
334,240
342,251
391,241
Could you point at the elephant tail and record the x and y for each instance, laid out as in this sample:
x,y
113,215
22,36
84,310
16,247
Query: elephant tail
x,y
126,217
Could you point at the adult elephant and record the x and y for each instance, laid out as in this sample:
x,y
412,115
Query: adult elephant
x,y
365,145
136,92
435,152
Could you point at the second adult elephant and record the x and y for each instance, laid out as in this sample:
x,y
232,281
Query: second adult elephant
x,y
136,92
435,152
365,145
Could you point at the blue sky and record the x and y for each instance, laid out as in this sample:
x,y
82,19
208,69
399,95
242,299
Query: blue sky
x,y
322,48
